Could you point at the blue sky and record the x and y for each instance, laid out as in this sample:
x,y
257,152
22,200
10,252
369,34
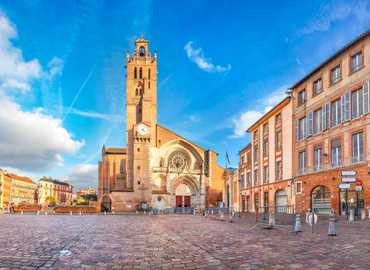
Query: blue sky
x,y
222,64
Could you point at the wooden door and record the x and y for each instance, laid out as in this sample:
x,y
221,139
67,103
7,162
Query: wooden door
x,y
186,201
178,201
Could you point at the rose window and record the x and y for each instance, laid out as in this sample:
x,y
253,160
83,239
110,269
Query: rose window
x,y
177,161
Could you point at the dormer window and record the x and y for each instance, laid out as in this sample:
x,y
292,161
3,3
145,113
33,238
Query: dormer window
x,y
142,51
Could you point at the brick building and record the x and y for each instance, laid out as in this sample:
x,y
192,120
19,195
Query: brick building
x,y
51,190
312,150
331,108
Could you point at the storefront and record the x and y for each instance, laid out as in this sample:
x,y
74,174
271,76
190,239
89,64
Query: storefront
x,y
351,196
321,200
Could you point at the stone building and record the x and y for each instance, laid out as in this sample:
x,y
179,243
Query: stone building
x,y
158,168
15,189
53,190
265,164
331,108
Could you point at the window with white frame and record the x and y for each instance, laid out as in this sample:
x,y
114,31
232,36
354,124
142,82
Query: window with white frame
x,y
317,158
336,113
356,61
335,74
265,174
298,187
336,153
278,170
302,161
302,128
357,103
302,97
317,121
255,177
357,147
278,140
317,87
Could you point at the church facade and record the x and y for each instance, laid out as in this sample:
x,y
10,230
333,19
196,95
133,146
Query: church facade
x,y
158,168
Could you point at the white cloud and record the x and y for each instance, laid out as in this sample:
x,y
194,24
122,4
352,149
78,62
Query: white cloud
x,y
32,140
83,175
247,118
15,72
29,140
197,56
336,11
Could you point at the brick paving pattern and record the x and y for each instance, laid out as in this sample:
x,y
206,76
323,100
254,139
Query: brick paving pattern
x,y
175,242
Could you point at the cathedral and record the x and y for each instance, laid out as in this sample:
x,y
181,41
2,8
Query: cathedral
x,y
158,169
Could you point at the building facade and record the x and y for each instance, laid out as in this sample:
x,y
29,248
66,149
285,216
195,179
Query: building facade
x,y
54,191
265,165
159,168
4,190
331,108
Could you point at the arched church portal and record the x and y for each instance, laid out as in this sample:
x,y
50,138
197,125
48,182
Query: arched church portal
x,y
183,196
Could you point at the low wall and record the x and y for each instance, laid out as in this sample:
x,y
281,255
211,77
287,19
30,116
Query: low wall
x,y
75,209
27,208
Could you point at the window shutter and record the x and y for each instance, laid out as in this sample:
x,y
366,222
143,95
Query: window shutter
x,y
305,127
323,117
343,107
347,106
310,124
360,102
296,130
366,98
326,116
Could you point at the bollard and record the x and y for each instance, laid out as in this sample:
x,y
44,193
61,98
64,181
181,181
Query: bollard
x,y
46,213
332,230
222,217
368,212
193,212
297,224
38,212
22,212
351,217
80,213
206,213
271,219
105,213
363,214
212,212
70,213
231,215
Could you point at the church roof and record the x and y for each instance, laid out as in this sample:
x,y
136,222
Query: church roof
x,y
111,150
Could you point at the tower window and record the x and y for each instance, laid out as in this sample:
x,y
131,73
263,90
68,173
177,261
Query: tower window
x,y
142,51
137,92
149,73
135,73
148,84
140,73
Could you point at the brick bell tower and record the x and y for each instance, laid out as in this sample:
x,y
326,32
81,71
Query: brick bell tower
x,y
141,117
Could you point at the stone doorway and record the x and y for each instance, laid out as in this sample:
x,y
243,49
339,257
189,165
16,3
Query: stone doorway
x,y
183,196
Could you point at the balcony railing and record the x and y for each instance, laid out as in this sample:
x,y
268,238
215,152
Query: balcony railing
x,y
329,166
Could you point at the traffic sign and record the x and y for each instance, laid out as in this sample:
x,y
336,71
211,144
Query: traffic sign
x,y
311,219
348,173
348,179
344,185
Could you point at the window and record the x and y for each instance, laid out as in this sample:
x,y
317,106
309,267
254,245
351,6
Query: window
x,y
265,129
335,113
301,97
335,74
317,158
149,73
317,121
278,169
278,140
249,179
299,187
142,51
278,119
135,73
357,103
317,87
302,128
357,147
140,73
255,177
265,174
265,147
356,61
255,152
242,161
336,153
266,199
302,162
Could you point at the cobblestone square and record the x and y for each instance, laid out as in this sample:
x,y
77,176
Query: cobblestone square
x,y
174,242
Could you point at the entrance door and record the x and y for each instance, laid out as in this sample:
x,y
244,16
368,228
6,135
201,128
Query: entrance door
x,y
320,200
351,199
178,201
186,201
281,201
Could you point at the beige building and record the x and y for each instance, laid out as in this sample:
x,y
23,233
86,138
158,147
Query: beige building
x,y
51,190
159,168
265,165
15,189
